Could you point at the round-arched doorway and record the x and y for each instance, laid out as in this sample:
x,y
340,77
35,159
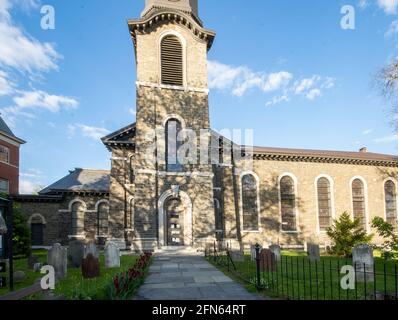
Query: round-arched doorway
x,y
174,210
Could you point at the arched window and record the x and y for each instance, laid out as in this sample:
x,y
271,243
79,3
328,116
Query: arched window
x,y
103,223
37,223
358,201
131,171
324,204
391,202
78,210
288,204
172,66
250,203
173,128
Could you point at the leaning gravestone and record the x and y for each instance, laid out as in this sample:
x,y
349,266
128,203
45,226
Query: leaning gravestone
x,y
112,255
276,250
32,260
58,258
237,255
76,253
363,262
91,247
90,267
313,252
267,260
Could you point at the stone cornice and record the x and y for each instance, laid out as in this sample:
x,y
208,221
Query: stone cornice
x,y
145,24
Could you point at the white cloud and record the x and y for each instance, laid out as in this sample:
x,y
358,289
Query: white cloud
x,y
276,81
313,87
363,4
367,132
28,187
387,139
41,99
389,6
313,94
277,100
393,29
6,86
94,133
132,112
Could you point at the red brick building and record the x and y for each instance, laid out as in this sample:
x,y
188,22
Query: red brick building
x,y
9,160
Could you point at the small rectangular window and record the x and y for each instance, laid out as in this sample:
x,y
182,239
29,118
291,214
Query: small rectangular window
x,y
4,154
4,186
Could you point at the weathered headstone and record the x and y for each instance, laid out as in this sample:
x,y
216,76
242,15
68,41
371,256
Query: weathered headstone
x,y
363,262
237,255
19,276
267,260
32,260
276,250
112,255
58,258
313,252
91,248
37,267
253,252
76,253
90,267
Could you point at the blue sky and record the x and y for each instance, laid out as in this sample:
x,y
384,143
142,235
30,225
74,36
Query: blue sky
x,y
281,67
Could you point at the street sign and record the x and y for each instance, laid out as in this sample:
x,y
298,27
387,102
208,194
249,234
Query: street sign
x,y
3,267
3,282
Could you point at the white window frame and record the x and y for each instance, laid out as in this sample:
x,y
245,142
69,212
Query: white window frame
x,y
384,196
365,186
8,154
332,204
242,174
295,181
8,185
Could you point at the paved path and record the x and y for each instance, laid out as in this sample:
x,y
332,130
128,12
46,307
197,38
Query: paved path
x,y
189,277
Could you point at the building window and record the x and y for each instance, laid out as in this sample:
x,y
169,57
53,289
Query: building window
x,y
78,210
4,154
288,204
132,216
131,171
103,221
324,204
4,186
172,66
391,202
250,203
36,230
358,201
173,128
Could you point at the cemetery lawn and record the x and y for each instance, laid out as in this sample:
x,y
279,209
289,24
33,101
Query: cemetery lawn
x,y
22,265
74,287
296,279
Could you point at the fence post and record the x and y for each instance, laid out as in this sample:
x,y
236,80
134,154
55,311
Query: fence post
x,y
258,274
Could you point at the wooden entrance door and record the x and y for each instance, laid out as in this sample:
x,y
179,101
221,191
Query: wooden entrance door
x,y
37,234
175,230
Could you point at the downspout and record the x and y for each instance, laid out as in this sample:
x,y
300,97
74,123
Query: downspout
x,y
156,174
236,195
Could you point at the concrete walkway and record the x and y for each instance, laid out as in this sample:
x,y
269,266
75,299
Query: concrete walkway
x,y
174,276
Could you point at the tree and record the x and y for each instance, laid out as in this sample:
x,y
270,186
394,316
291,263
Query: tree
x,y
390,236
21,233
346,234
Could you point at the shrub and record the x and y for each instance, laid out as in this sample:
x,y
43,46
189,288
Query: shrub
x,y
21,233
125,284
387,232
346,234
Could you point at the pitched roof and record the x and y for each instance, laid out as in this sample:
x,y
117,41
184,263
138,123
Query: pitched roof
x,y
81,180
122,137
4,129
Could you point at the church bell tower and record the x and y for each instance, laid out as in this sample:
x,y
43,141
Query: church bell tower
x,y
173,200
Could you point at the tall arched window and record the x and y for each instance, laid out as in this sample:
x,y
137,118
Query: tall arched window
x,y
391,202
250,203
172,66
288,204
78,210
358,201
132,216
324,203
103,219
173,128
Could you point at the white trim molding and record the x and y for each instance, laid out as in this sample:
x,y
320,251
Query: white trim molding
x,y
296,209
171,87
365,186
37,215
384,196
101,202
241,175
332,203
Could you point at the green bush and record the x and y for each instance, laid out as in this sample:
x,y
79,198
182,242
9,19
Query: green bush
x,y
21,233
346,234
388,233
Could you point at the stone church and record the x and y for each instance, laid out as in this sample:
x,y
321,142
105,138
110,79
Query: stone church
x,y
243,195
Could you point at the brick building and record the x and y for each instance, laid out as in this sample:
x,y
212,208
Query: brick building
x,y
149,200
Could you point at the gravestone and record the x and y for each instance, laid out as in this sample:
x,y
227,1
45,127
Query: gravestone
x,y
112,255
90,267
253,252
37,267
267,260
313,252
237,255
276,250
32,260
58,258
19,276
91,247
76,253
363,262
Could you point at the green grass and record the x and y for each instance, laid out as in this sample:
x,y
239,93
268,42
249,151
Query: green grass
x,y
292,280
22,265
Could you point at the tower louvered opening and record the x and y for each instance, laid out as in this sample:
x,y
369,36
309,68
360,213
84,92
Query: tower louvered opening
x,y
172,61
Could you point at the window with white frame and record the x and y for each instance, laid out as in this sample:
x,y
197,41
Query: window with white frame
x,y
4,154
250,204
324,203
103,219
288,204
4,186
78,210
358,201
172,64
390,195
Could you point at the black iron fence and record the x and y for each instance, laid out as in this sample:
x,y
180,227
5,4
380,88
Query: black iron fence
x,y
296,277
